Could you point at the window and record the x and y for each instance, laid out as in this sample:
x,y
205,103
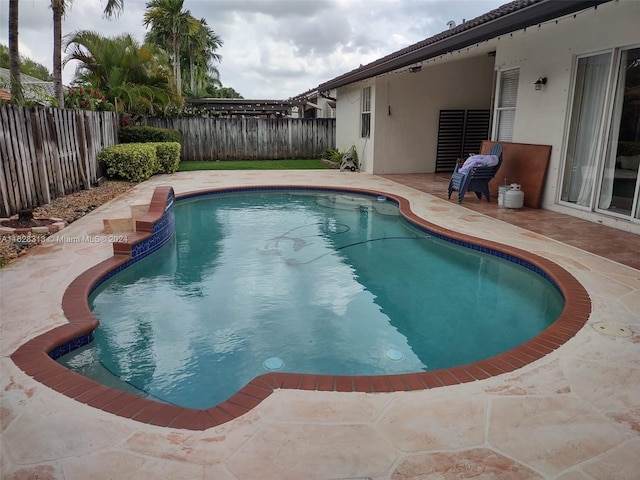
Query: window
x,y
365,117
506,106
329,110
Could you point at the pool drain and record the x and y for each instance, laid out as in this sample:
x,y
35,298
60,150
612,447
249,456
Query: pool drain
x,y
273,363
394,355
612,329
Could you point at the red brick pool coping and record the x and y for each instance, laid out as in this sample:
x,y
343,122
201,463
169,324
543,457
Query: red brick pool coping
x,y
33,356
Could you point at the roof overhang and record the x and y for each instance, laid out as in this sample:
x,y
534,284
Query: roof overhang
x,y
527,16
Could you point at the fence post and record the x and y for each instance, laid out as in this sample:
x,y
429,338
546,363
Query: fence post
x,y
81,142
57,166
41,162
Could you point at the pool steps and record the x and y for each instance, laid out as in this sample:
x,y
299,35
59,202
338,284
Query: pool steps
x,y
138,208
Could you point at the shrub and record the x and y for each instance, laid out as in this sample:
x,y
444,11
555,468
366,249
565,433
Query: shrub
x,y
333,155
168,155
139,161
136,162
87,99
144,134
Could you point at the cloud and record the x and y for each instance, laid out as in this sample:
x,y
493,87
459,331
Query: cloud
x,y
273,49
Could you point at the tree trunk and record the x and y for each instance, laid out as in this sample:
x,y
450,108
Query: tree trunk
x,y
192,75
176,63
58,11
14,54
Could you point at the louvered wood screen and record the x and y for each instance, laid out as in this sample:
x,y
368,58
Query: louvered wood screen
x,y
450,135
460,133
476,129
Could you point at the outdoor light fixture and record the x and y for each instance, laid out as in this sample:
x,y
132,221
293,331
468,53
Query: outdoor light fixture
x,y
415,68
540,82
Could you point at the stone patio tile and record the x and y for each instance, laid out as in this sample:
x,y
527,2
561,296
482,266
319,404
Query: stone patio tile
x,y
14,393
621,463
294,451
607,386
630,277
476,464
172,445
632,302
551,434
617,310
40,433
630,418
416,422
607,351
213,446
125,466
299,405
603,285
542,380
39,472
574,475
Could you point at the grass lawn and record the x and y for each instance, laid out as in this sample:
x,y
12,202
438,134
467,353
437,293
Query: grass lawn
x,y
306,164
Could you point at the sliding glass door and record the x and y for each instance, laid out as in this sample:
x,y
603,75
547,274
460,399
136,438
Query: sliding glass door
x,y
619,186
583,150
603,149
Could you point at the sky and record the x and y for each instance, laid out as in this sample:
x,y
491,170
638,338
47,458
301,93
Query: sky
x,y
272,49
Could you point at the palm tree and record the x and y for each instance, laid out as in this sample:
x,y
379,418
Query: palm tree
x,y
59,7
132,76
169,25
200,49
14,54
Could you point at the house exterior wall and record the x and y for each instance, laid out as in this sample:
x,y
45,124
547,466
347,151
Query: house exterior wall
x,y
550,51
348,123
408,107
405,112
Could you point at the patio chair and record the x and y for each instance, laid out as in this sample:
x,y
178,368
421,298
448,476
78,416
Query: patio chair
x,y
476,179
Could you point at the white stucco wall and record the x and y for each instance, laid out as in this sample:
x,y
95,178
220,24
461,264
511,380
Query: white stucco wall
x,y
405,112
550,51
408,107
348,123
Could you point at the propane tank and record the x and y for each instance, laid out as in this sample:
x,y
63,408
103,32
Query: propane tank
x,y
502,189
514,197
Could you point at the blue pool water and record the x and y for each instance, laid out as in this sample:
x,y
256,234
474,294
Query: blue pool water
x,y
295,281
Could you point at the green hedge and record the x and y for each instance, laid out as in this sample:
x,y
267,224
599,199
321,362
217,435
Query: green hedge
x,y
168,155
143,134
137,162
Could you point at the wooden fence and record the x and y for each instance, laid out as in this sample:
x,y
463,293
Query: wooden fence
x,y
251,138
48,152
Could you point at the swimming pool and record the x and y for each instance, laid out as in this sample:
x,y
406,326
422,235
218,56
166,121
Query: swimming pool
x,y
338,283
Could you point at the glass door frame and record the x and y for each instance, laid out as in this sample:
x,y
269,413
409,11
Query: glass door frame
x,y
604,137
612,127
601,142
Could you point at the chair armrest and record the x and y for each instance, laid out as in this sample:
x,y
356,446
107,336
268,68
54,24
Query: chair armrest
x,y
483,172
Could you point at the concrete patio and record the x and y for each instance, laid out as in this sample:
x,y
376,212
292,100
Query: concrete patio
x,y
572,415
